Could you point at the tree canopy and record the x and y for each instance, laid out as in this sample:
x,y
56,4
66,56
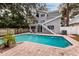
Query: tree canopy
x,y
68,10
16,15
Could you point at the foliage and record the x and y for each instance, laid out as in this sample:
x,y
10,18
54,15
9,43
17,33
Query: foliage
x,y
9,39
76,37
68,10
16,15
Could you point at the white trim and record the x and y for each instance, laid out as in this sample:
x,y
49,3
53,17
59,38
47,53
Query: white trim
x,y
52,19
42,24
47,22
74,20
47,28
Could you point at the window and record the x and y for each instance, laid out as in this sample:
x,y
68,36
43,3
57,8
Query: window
x,y
42,15
39,28
42,21
33,27
51,27
37,15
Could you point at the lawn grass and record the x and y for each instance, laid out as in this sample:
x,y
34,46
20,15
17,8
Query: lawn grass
x,y
76,37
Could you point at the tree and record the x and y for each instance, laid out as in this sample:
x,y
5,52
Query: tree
x,y
17,15
66,10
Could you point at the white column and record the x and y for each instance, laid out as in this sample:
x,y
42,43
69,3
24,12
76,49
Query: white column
x,y
36,28
30,29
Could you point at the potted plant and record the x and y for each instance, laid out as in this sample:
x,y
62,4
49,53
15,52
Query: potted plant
x,y
9,40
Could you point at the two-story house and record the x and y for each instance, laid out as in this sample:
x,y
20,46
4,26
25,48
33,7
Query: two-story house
x,y
47,22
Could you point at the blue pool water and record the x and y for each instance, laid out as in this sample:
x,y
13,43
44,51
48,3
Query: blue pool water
x,y
1,41
57,41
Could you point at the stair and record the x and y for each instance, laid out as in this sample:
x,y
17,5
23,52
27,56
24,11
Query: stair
x,y
43,24
47,28
52,19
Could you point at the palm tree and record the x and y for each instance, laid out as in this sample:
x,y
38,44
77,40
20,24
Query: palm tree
x,y
66,11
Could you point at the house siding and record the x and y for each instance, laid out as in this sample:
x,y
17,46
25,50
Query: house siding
x,y
75,25
56,23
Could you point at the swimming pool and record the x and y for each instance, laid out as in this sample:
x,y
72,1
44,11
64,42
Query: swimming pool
x,y
57,41
1,41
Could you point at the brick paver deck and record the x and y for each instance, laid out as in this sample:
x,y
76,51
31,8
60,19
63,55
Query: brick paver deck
x,y
34,49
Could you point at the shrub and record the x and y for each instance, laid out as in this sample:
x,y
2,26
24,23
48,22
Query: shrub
x,y
9,40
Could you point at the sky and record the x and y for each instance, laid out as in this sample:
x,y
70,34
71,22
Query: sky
x,y
52,6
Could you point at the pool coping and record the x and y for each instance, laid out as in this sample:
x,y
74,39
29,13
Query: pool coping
x,y
72,41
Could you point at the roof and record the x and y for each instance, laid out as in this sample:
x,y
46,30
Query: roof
x,y
74,20
42,11
53,14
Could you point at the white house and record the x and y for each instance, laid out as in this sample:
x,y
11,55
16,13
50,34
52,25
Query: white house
x,y
74,22
73,27
47,22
